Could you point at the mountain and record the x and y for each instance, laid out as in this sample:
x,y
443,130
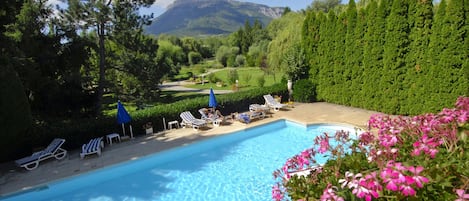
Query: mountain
x,y
210,17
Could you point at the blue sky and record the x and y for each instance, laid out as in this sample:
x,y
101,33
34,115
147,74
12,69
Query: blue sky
x,y
160,5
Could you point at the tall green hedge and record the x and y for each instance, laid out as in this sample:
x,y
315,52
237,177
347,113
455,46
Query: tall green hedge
x,y
398,56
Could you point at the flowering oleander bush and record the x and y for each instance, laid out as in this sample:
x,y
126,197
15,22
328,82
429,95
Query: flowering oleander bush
x,y
412,158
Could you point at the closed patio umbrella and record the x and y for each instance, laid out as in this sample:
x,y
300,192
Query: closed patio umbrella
x,y
212,101
123,117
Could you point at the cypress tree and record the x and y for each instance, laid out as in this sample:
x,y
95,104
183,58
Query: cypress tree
x,y
310,36
465,65
395,50
450,73
436,46
358,69
327,72
322,48
370,55
337,88
350,60
417,60
376,34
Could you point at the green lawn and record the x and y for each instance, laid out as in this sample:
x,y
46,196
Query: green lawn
x,y
247,79
171,96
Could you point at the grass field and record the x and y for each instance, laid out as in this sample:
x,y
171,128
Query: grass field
x,y
247,79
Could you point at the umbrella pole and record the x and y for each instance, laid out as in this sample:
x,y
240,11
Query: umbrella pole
x,y
131,132
123,128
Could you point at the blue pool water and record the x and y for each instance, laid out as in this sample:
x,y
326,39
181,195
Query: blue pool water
x,y
235,166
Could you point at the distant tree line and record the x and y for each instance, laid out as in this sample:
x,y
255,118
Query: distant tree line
x,y
398,57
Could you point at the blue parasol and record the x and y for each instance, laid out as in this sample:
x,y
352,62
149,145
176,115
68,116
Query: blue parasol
x,y
212,101
123,117
122,114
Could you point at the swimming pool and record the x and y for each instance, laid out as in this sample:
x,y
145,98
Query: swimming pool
x,y
235,166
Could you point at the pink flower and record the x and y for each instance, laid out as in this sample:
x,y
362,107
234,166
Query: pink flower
x,y
416,177
368,187
329,194
426,145
351,180
366,138
323,145
277,193
393,176
407,190
388,140
462,196
463,116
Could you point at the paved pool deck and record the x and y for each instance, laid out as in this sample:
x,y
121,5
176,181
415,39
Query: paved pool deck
x,y
14,179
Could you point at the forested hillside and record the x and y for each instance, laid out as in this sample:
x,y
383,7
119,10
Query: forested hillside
x,y
209,17
398,57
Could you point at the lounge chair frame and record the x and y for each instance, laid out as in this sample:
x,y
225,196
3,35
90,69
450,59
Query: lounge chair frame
x,y
272,103
94,146
53,150
215,119
189,120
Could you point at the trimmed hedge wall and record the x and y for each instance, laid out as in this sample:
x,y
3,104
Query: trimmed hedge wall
x,y
78,132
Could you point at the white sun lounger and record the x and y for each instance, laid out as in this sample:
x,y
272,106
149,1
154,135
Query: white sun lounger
x,y
215,119
189,120
53,150
94,146
259,108
272,103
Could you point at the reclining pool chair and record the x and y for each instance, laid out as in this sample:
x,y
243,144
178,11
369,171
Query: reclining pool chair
x,y
94,146
214,119
189,120
272,103
53,150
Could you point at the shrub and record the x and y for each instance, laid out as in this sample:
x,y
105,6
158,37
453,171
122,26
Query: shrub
x,y
304,91
398,158
232,76
240,60
194,57
212,78
260,81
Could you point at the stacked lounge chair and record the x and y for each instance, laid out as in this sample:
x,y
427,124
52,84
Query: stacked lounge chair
x,y
53,150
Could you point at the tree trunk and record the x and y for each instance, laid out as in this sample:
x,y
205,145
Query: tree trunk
x,y
102,69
